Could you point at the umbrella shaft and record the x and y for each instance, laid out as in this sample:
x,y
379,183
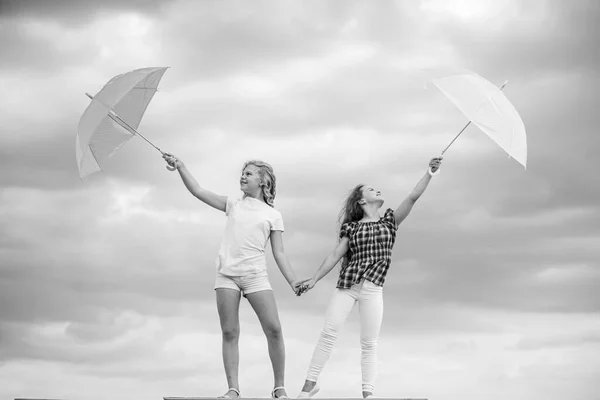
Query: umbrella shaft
x,y
466,126
456,137
113,115
125,125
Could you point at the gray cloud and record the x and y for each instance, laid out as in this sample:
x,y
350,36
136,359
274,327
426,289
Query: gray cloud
x,y
220,39
24,52
560,39
537,343
46,163
75,13
487,237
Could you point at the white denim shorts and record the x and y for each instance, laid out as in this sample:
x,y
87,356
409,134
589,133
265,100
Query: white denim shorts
x,y
246,284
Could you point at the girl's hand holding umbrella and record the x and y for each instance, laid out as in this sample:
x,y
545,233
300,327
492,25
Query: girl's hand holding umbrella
x,y
174,162
434,164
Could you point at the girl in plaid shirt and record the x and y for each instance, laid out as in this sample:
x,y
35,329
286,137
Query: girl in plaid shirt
x,y
241,265
366,242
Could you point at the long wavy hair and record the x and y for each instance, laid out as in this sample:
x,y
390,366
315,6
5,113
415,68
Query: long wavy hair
x,y
267,180
351,212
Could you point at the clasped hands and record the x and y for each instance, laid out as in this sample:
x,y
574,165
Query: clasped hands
x,y
303,286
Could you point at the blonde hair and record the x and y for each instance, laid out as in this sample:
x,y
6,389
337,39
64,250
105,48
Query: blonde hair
x,y
267,179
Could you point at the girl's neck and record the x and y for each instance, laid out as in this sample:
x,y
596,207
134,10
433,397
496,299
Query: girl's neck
x,y
371,213
257,196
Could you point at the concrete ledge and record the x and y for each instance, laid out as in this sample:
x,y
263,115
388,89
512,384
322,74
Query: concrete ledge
x,y
316,398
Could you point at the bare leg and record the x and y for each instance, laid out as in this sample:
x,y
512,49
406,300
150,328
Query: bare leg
x,y
228,305
264,305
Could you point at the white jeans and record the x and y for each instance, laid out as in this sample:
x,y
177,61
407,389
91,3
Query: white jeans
x,y
370,302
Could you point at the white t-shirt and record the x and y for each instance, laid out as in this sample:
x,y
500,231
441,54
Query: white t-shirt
x,y
248,229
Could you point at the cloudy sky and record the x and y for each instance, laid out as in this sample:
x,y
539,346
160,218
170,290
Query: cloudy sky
x,y
106,284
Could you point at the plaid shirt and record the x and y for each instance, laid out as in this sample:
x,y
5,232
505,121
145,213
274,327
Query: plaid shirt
x,y
370,250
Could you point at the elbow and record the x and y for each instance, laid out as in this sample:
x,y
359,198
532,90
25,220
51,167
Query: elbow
x,y
197,191
336,257
197,194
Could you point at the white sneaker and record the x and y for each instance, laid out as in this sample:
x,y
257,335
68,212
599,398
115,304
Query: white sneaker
x,y
312,392
226,396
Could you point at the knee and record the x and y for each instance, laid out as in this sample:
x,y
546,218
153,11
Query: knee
x,y
329,330
273,332
329,333
369,344
231,334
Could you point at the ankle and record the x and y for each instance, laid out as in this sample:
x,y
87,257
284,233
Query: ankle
x,y
308,385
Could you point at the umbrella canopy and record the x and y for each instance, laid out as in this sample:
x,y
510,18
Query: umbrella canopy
x,y
487,107
113,115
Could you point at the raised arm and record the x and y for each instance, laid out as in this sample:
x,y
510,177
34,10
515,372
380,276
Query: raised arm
x,y
406,206
212,199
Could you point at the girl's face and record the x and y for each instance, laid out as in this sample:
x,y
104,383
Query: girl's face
x,y
250,179
371,196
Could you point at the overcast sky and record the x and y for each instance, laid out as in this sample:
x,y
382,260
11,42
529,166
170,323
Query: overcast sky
x,y
106,284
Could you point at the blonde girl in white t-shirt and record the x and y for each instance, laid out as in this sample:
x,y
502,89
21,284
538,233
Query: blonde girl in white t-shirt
x,y
241,264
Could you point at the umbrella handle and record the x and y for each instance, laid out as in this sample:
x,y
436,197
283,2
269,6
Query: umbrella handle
x,y
171,168
430,170
431,173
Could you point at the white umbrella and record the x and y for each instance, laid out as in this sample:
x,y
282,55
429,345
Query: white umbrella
x,y
113,116
488,108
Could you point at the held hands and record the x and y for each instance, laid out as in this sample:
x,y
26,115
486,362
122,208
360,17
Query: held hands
x,y
172,161
297,287
434,165
304,286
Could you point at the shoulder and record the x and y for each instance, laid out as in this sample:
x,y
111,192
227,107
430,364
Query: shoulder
x,y
388,213
351,224
233,200
348,228
267,209
231,203
273,212
272,215
389,218
275,219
